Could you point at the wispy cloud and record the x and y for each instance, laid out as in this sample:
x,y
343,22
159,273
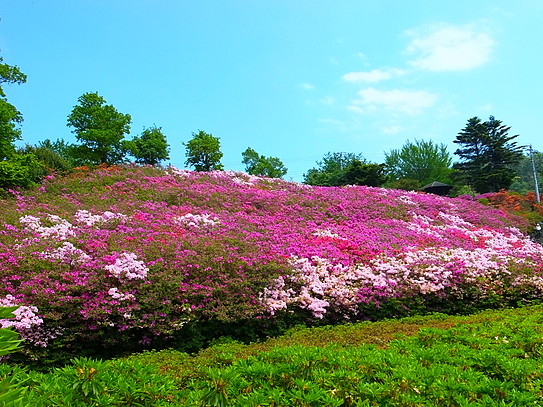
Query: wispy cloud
x,y
339,125
328,100
449,48
392,129
307,86
403,101
375,75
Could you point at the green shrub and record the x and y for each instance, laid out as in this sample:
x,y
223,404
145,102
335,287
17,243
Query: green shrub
x,y
20,171
87,382
490,359
51,160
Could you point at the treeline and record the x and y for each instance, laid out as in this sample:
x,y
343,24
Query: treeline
x,y
488,157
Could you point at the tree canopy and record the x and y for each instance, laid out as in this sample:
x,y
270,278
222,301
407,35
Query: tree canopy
x,y
421,161
151,147
100,129
17,168
337,169
524,179
203,152
487,155
362,173
10,117
257,164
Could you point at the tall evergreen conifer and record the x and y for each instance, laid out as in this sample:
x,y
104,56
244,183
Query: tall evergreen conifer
x,y
488,154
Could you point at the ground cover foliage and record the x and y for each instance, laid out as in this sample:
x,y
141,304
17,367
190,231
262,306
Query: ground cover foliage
x,y
493,358
121,259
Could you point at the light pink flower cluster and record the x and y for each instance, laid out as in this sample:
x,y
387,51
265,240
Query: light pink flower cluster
x,y
86,218
115,294
127,265
318,284
178,172
24,316
237,177
60,229
25,321
314,285
197,221
67,253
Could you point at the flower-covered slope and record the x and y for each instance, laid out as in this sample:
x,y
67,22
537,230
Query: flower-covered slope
x,y
141,251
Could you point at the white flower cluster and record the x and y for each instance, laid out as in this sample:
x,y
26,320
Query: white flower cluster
x,y
114,292
327,233
454,220
238,177
197,221
86,218
406,199
68,253
61,229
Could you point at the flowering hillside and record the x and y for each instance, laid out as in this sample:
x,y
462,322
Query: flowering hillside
x,y
133,255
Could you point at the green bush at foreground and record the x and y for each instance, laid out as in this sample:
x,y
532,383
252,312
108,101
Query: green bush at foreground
x,y
490,359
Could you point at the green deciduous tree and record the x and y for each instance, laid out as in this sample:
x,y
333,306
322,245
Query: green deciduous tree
x,y
488,155
10,117
100,129
150,147
524,180
361,173
421,161
203,152
257,164
17,168
330,171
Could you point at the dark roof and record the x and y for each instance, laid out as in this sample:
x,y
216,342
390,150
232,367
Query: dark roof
x,y
436,184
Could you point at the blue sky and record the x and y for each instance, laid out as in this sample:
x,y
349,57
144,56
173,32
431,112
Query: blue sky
x,y
293,79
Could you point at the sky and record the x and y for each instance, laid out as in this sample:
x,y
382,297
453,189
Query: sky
x,y
293,79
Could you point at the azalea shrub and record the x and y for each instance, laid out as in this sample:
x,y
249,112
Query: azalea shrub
x,y
125,258
524,205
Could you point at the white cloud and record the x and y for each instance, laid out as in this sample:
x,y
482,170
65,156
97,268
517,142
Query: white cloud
x,y
357,109
449,48
362,56
375,75
328,100
404,101
337,124
486,108
307,86
392,129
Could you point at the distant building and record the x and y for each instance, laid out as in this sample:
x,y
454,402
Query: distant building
x,y
438,188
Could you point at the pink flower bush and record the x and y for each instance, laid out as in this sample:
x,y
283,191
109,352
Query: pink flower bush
x,y
136,253
61,229
27,322
67,253
127,265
